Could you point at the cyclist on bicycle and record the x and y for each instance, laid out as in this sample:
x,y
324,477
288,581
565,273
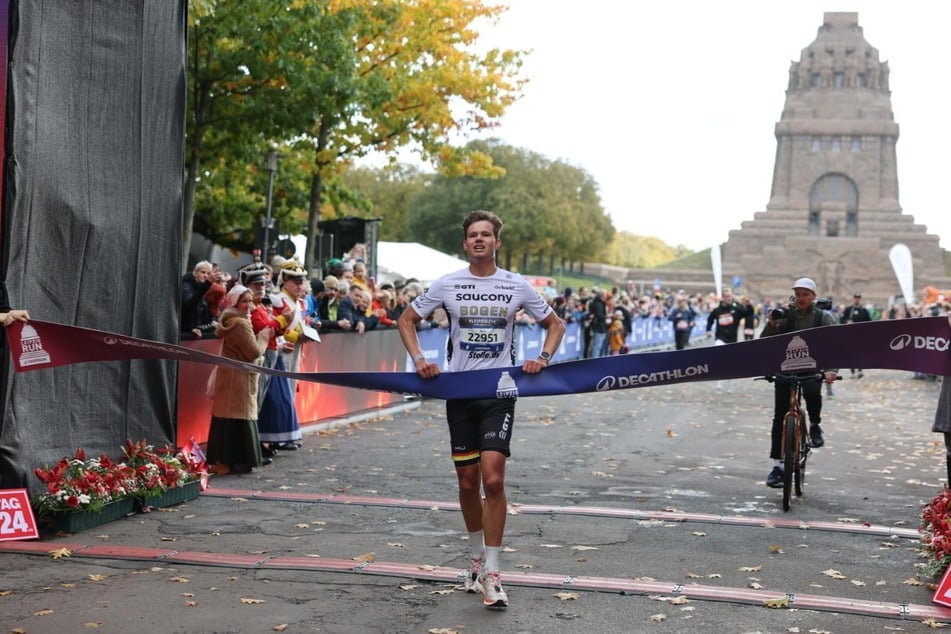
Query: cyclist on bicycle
x,y
801,314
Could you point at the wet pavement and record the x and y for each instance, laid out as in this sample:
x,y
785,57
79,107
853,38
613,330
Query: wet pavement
x,y
642,510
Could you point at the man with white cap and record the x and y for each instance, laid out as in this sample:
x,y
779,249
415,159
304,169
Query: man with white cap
x,y
801,314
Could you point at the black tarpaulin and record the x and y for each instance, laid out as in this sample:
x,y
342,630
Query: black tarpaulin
x,y
92,219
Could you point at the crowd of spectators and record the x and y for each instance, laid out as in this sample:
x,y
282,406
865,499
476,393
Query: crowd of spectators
x,y
347,300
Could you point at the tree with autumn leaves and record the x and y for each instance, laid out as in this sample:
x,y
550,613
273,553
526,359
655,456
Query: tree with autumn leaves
x,y
326,82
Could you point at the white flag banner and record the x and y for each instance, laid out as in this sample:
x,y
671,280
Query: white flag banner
x,y
900,257
717,269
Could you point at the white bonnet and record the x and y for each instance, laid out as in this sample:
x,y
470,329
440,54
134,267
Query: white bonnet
x,y
235,294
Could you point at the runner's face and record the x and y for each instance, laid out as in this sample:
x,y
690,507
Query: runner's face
x,y
480,242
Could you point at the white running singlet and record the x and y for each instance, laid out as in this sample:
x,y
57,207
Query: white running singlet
x,y
481,315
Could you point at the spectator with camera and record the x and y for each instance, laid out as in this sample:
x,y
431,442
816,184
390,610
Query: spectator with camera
x,y
194,308
801,315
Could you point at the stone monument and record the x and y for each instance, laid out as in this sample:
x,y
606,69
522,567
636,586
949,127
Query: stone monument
x,y
833,212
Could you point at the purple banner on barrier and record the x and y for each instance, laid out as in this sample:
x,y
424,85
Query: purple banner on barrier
x,y
919,345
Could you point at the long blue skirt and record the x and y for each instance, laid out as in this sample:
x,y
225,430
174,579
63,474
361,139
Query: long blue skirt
x,y
277,421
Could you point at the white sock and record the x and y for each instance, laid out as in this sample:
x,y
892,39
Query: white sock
x,y
492,558
476,545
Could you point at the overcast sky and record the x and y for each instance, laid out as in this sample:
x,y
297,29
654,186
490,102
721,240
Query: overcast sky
x,y
671,106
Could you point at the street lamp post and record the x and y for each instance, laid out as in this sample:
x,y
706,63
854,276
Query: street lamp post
x,y
271,166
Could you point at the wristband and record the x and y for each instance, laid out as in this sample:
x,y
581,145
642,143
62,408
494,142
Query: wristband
x,y
417,357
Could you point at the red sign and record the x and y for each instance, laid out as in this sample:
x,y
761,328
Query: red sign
x,y
16,516
943,594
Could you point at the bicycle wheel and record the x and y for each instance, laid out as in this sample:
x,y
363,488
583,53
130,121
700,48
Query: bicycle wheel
x,y
803,453
790,451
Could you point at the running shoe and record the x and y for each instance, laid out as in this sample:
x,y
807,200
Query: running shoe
x,y
495,597
472,582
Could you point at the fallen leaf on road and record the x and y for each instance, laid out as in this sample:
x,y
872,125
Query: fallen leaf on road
x,y
657,618
179,579
751,568
566,596
97,577
46,612
365,557
92,625
250,601
60,553
782,602
583,548
280,628
835,574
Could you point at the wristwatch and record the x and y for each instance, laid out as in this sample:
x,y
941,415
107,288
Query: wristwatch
x,y
545,356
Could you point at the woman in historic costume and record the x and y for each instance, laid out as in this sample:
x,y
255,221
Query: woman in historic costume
x,y
278,426
233,442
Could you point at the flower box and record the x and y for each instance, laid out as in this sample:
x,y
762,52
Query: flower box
x,y
168,497
75,521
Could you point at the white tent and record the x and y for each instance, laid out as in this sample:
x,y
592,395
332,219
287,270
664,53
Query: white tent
x,y
403,260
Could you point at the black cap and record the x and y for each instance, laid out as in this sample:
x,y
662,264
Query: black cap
x,y
859,295
253,277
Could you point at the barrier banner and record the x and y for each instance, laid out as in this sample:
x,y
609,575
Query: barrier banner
x,y
919,345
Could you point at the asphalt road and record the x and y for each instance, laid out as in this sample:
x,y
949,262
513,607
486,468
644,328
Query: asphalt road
x,y
647,507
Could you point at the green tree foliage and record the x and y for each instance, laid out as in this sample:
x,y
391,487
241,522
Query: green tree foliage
x,y
627,249
383,193
236,86
549,208
329,81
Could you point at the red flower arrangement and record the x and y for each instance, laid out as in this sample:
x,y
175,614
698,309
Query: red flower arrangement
x,y
81,484
935,528
157,470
